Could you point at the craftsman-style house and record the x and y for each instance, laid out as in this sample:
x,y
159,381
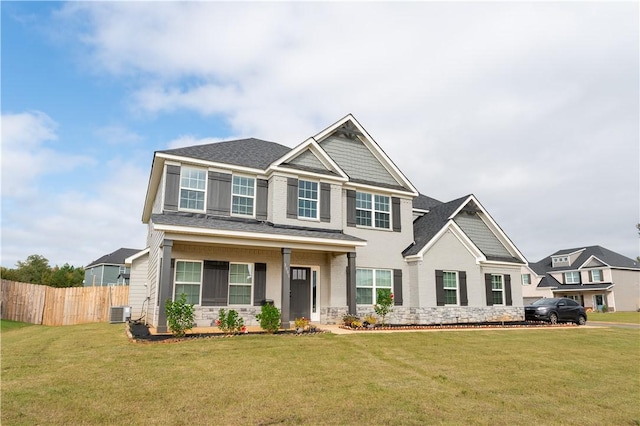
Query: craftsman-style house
x,y
594,276
316,229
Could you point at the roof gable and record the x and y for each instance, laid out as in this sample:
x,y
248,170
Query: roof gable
x,y
606,256
348,144
467,216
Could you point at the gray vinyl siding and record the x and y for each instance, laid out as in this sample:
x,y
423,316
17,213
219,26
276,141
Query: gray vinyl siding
x,y
475,228
357,161
308,159
137,288
155,254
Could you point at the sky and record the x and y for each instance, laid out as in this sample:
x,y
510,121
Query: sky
x,y
533,107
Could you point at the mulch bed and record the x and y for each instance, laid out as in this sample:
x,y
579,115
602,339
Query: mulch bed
x,y
505,324
139,333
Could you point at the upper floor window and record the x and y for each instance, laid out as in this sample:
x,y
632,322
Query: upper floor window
x,y
243,195
572,277
560,260
192,188
369,281
526,279
450,284
188,280
373,210
596,275
240,283
497,289
307,199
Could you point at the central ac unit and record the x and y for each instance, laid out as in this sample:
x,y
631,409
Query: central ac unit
x,y
119,314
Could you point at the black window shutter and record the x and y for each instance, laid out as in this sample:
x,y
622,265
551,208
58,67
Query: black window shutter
x,y
439,288
564,278
395,213
462,278
351,207
325,202
219,194
259,283
507,290
292,198
261,198
488,289
172,188
215,283
397,287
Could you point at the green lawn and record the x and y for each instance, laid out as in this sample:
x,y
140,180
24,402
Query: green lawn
x,y
91,374
8,325
621,317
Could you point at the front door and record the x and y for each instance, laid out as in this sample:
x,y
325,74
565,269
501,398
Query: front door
x,y
300,293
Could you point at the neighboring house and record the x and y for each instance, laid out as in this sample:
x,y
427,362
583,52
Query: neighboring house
x,y
316,229
593,276
110,269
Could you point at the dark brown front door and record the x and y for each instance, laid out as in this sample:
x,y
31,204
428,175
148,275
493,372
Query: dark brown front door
x,y
300,293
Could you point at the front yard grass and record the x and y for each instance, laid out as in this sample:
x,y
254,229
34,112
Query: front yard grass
x,y
91,374
620,317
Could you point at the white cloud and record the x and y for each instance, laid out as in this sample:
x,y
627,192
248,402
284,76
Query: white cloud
x,y
64,224
25,142
118,135
531,106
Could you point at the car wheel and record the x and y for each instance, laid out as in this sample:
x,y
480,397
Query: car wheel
x,y
581,320
553,318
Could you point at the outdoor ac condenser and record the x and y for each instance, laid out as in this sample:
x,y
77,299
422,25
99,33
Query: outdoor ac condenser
x,y
119,314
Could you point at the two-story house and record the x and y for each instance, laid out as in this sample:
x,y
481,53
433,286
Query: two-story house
x,y
593,276
316,229
109,269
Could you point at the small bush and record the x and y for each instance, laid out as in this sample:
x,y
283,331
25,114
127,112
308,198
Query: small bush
x,y
269,318
180,315
229,323
348,319
384,303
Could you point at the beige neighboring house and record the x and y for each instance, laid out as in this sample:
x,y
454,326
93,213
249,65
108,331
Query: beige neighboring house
x,y
317,230
593,276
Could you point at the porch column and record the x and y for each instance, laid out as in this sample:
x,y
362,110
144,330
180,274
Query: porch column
x,y
286,288
351,282
164,283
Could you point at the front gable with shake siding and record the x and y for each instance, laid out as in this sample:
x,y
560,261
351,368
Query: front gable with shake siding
x,y
316,229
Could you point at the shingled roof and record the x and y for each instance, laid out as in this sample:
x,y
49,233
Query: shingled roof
x,y
607,256
254,153
423,202
115,258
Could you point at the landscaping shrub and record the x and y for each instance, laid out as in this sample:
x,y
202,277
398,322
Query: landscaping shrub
x,y
230,322
269,318
180,315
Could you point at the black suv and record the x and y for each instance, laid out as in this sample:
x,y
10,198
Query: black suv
x,y
556,310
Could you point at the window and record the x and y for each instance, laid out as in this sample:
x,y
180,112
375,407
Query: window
x,y
450,283
562,259
596,275
188,280
243,195
240,283
572,277
526,279
373,210
308,199
497,289
192,188
368,282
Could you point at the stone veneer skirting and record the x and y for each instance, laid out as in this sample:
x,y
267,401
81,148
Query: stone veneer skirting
x,y
206,317
433,315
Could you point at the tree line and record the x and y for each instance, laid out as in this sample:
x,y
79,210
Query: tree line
x,y
35,269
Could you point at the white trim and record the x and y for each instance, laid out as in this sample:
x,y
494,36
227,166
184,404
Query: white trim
x,y
317,200
257,236
313,146
252,285
374,287
209,164
457,288
604,264
204,191
573,290
175,282
254,197
503,290
286,172
374,211
375,149
129,260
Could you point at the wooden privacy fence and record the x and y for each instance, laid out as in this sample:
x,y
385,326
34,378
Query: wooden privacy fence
x,y
40,304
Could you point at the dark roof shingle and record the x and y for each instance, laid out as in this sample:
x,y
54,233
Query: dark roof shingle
x,y
115,258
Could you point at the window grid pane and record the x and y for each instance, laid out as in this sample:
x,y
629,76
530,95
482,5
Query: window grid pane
x,y
243,191
307,199
595,274
239,273
239,294
450,297
364,296
383,278
364,278
369,282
